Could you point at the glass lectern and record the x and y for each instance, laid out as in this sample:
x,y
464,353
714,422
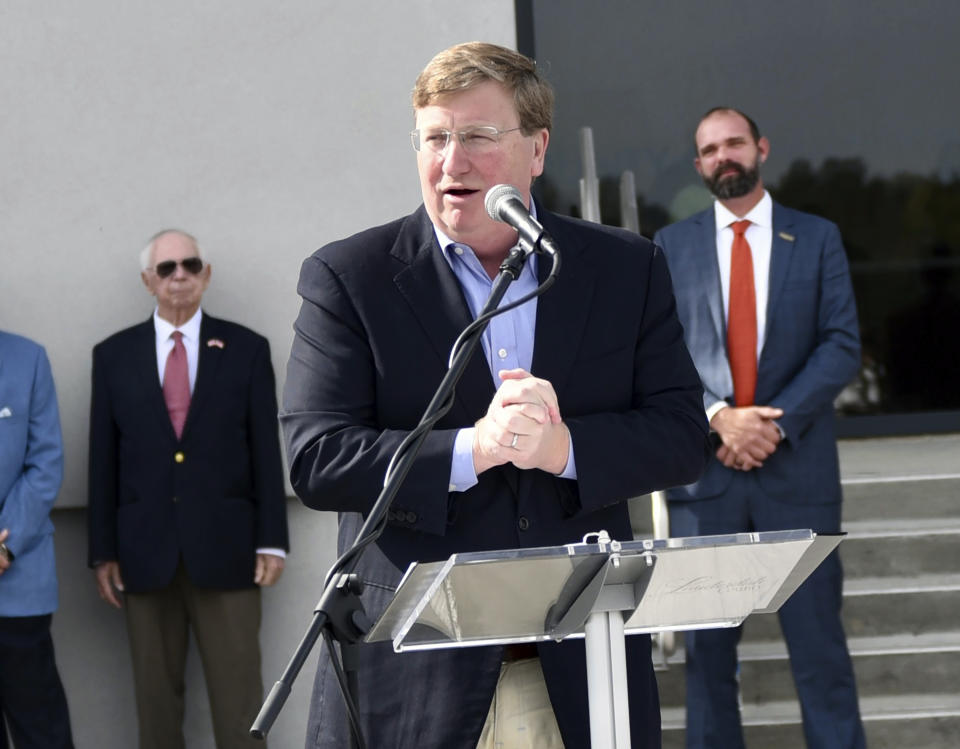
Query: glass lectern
x,y
602,590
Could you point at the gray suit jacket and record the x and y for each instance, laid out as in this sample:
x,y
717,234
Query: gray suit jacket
x,y
811,351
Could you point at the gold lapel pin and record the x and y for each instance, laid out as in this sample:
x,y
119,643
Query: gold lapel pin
x,y
788,237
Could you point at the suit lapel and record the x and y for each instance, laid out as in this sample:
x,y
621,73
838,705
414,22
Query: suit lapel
x,y
433,293
781,254
208,364
707,269
562,312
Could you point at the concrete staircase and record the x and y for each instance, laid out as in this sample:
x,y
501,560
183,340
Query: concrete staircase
x,y
901,607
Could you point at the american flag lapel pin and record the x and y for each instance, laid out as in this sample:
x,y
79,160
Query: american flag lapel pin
x,y
214,343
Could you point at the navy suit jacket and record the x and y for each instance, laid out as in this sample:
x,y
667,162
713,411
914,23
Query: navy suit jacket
x,y
380,313
811,350
212,497
31,469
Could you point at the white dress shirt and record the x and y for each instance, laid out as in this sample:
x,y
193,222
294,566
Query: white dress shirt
x,y
760,238
191,342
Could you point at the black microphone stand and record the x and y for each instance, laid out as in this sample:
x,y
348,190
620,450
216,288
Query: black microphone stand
x,y
339,615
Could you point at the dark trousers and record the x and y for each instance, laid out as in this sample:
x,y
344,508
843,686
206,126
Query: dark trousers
x,y
226,625
32,702
810,621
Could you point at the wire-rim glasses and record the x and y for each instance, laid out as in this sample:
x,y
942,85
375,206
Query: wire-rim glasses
x,y
474,140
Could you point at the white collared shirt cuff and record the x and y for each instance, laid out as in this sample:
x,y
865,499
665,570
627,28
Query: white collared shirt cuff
x,y
273,552
715,409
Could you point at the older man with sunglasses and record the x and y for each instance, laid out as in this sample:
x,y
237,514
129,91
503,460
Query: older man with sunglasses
x,y
187,507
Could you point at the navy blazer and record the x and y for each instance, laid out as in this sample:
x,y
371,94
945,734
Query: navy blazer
x,y
379,315
811,350
212,497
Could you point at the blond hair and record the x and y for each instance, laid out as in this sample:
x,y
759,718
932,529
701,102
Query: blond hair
x,y
464,66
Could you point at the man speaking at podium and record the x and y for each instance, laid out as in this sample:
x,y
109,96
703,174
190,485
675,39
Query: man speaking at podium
x,y
583,398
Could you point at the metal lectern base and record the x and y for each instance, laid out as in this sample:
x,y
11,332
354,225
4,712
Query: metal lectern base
x,y
607,680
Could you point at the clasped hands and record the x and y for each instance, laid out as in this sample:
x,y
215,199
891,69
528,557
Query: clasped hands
x,y
522,426
749,435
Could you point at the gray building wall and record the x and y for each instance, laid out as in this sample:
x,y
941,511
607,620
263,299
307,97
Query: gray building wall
x,y
266,129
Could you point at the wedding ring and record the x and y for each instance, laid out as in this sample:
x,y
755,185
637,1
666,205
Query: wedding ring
x,y
513,442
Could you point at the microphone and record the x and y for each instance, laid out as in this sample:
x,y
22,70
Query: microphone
x,y
504,203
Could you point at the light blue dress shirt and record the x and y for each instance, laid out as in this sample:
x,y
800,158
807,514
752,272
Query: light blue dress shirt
x,y
507,341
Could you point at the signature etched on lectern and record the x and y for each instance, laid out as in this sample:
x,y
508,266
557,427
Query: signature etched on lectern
x,y
706,582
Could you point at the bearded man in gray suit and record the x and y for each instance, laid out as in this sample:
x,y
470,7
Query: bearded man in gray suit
x,y
767,307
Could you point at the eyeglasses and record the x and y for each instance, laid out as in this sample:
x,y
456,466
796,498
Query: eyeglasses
x,y
190,264
475,140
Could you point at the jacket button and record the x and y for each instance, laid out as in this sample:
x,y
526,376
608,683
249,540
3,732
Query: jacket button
x,y
523,524
175,500
411,517
179,457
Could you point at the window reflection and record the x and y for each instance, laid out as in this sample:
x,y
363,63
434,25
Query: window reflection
x,y
863,133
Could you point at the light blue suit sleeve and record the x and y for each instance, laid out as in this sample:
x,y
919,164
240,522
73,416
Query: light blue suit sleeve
x,y
27,504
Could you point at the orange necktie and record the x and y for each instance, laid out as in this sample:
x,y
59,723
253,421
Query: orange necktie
x,y
176,384
742,318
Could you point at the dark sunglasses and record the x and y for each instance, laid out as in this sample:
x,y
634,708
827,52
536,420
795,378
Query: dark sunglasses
x,y
190,264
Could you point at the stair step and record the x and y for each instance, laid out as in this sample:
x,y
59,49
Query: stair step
x,y
897,644
912,500
872,710
885,528
936,496
874,607
928,721
946,582
928,733
879,674
906,477
916,551
891,457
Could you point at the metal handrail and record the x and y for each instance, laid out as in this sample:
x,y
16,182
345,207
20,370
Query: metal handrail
x,y
664,642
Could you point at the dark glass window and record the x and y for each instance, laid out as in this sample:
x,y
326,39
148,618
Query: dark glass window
x,y
860,105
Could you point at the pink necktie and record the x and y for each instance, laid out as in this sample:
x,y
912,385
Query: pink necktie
x,y
742,318
176,384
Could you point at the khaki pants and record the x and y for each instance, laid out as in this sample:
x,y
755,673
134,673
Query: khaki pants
x,y
521,716
226,625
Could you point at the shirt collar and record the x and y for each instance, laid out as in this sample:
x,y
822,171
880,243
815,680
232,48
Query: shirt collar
x,y
190,329
447,244
761,214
